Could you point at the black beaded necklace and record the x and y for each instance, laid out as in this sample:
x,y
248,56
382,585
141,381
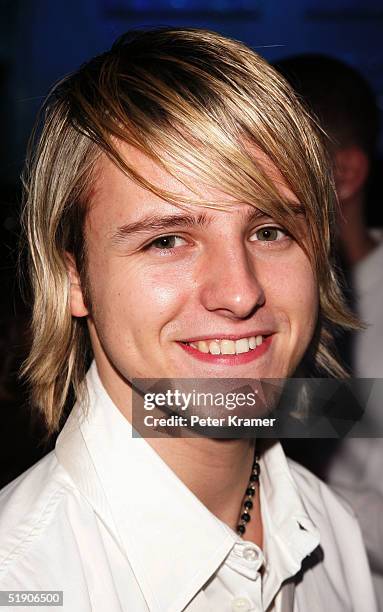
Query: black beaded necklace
x,y
247,504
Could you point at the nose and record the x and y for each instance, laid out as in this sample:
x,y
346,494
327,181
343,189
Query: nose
x,y
230,285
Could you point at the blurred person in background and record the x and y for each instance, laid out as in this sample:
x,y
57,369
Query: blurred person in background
x,y
346,108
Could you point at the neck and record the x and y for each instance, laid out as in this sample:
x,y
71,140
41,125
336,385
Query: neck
x,y
216,471
355,241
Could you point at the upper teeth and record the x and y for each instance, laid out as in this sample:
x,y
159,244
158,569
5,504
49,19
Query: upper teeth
x,y
227,347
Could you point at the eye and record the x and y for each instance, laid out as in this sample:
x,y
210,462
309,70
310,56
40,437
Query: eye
x,y
269,234
166,242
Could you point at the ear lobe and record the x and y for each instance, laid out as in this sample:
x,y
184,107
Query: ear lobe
x,y
77,304
352,167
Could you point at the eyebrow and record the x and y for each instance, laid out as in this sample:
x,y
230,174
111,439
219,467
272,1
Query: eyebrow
x,y
159,223
156,223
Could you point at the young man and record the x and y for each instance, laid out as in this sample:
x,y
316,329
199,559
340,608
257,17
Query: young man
x,y
178,216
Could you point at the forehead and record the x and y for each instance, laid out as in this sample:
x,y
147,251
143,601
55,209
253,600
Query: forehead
x,y
114,192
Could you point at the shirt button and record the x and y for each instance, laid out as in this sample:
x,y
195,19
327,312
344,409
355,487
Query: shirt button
x,y
250,554
241,604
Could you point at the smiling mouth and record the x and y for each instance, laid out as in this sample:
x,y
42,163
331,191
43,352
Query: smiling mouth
x,y
227,351
226,346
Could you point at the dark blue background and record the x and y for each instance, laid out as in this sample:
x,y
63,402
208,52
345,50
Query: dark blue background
x,y
42,40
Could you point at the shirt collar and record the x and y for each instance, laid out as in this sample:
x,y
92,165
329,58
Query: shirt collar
x,y
172,541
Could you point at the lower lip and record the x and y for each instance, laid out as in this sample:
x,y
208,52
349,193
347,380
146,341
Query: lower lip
x,y
229,360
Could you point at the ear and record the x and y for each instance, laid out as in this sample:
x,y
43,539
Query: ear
x,y
352,167
77,304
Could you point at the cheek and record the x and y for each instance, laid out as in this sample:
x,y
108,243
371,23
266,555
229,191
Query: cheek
x,y
162,291
308,298
139,300
295,294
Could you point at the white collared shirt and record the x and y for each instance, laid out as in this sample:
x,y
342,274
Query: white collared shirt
x,y
106,521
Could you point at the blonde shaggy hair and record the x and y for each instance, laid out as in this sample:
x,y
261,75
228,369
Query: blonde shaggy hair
x,y
196,103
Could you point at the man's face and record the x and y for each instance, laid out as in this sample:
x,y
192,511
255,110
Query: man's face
x,y
202,293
